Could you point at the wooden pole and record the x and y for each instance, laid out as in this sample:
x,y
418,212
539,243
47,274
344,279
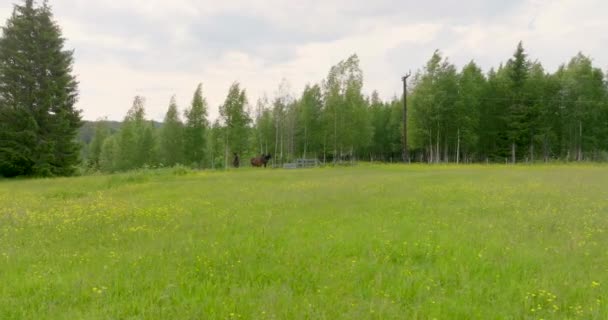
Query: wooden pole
x,y
406,154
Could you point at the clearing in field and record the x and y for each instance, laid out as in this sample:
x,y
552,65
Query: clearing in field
x,y
370,242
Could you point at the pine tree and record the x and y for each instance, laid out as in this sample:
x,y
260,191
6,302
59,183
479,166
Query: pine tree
x,y
517,116
171,139
37,96
471,86
380,114
195,134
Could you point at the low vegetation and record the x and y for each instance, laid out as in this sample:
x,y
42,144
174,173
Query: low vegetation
x,y
367,242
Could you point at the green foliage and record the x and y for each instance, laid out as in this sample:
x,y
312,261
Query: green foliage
x,y
236,120
264,127
347,124
136,140
102,132
516,112
309,121
172,137
195,131
37,96
434,112
180,170
110,156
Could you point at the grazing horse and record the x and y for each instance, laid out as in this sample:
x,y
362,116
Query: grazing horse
x,y
261,160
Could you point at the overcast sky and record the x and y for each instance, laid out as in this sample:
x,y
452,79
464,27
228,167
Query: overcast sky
x,y
158,48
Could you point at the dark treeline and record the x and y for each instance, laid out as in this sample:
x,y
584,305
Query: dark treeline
x,y
517,112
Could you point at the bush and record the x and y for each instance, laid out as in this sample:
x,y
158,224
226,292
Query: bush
x,y
180,170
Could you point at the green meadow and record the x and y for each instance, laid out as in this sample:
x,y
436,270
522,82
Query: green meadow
x,y
365,242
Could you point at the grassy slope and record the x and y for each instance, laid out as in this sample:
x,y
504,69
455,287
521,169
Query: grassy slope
x,y
372,242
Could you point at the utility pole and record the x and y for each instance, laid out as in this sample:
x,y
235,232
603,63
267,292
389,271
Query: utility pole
x,y
406,153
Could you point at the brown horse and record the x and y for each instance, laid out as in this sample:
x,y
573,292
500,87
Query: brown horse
x,y
261,160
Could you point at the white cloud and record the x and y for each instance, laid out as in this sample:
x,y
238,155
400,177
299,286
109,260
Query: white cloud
x,y
158,48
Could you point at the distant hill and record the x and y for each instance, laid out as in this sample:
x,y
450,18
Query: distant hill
x,y
87,131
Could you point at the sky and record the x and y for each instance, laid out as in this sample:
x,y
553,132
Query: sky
x,y
160,48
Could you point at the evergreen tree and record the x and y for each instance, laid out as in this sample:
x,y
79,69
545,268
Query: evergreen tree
x,y
171,139
37,96
517,114
494,144
380,114
471,86
195,129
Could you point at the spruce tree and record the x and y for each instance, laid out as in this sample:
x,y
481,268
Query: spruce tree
x,y
171,139
518,111
37,96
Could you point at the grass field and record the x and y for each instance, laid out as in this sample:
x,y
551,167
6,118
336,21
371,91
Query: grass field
x,y
369,242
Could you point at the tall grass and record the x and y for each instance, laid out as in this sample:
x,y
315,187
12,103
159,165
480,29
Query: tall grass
x,y
368,242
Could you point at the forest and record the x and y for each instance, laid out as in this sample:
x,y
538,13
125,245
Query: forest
x,y
516,112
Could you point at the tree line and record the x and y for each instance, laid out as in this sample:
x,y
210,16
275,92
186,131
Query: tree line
x,y
517,112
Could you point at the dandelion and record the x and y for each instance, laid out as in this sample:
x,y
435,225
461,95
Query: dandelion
x,y
595,284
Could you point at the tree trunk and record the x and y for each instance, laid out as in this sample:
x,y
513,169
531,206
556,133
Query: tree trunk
x,y
225,156
276,144
431,146
261,144
531,150
335,136
213,156
282,137
513,155
446,150
305,140
458,148
579,154
324,149
438,152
